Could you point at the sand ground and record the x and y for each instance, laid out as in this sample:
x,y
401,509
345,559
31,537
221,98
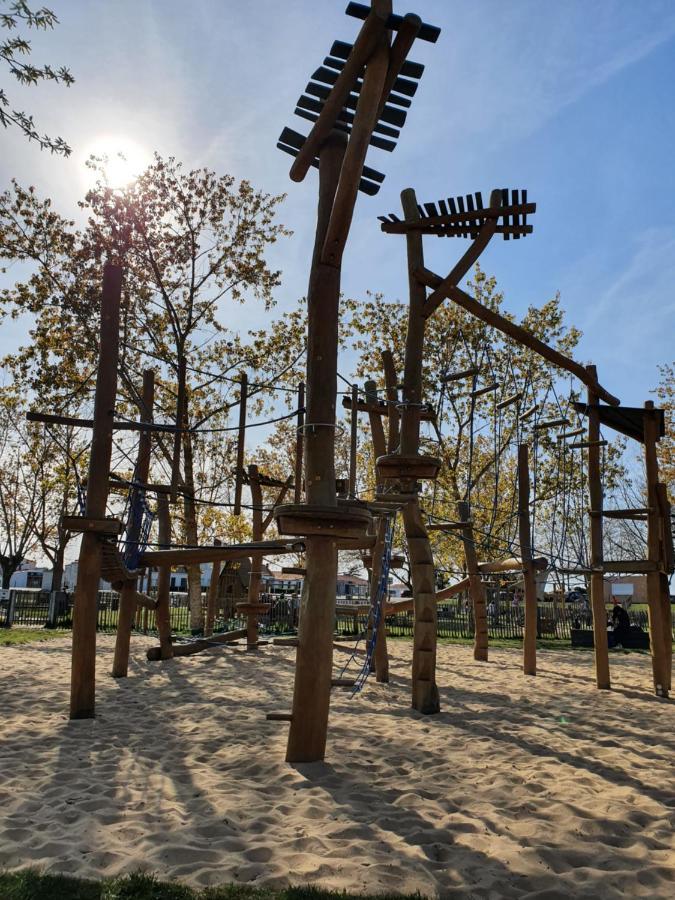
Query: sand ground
x,y
522,787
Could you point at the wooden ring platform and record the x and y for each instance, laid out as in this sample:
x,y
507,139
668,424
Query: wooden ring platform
x,y
396,466
344,521
253,609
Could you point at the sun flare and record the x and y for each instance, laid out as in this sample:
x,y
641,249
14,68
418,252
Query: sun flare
x,y
123,160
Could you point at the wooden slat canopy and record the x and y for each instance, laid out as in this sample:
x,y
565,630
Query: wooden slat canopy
x,y
463,216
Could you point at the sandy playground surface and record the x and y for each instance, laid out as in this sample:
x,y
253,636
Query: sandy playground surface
x,y
537,788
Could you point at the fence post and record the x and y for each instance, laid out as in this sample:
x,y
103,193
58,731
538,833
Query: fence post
x,y
51,611
12,608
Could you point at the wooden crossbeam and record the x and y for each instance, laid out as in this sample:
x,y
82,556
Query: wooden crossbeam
x,y
509,401
76,422
82,524
488,389
585,445
395,23
381,408
460,376
570,434
623,513
629,566
552,423
529,412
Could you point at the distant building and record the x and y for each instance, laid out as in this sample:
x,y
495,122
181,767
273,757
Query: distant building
x,y
626,588
28,575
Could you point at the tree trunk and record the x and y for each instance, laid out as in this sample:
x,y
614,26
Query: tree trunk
x,y
194,573
57,567
9,566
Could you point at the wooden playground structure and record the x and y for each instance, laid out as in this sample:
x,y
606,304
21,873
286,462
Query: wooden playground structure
x,y
356,99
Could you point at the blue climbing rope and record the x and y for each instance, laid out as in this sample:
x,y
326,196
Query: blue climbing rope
x,y
382,587
139,518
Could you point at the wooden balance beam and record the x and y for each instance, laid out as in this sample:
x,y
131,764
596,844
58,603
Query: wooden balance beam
x,y
195,555
228,637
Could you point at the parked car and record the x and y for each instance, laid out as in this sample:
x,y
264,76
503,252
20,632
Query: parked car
x,y
576,595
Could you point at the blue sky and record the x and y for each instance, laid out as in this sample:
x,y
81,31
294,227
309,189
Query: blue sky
x,y
572,100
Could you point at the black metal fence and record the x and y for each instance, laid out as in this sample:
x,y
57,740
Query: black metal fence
x,y
35,608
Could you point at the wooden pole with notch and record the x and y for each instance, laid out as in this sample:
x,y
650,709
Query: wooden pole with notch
x,y
83,671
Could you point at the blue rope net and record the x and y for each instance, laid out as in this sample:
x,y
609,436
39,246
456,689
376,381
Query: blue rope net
x,y
382,587
139,518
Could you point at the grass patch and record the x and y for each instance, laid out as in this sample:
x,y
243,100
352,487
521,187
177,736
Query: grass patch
x,y
31,885
11,636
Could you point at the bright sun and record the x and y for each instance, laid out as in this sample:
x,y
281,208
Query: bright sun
x,y
125,160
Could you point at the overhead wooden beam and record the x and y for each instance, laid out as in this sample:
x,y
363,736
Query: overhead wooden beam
x,y
77,422
517,332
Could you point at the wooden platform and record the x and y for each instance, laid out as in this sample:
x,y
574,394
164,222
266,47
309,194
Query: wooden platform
x,y
343,521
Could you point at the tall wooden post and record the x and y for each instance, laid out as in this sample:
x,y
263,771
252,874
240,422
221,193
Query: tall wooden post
x,y
127,607
656,601
476,586
180,424
425,696
241,442
529,583
381,655
353,440
314,659
212,595
393,418
83,671
602,676
163,608
299,443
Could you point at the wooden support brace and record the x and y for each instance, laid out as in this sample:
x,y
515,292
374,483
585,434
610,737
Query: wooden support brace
x,y
517,332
